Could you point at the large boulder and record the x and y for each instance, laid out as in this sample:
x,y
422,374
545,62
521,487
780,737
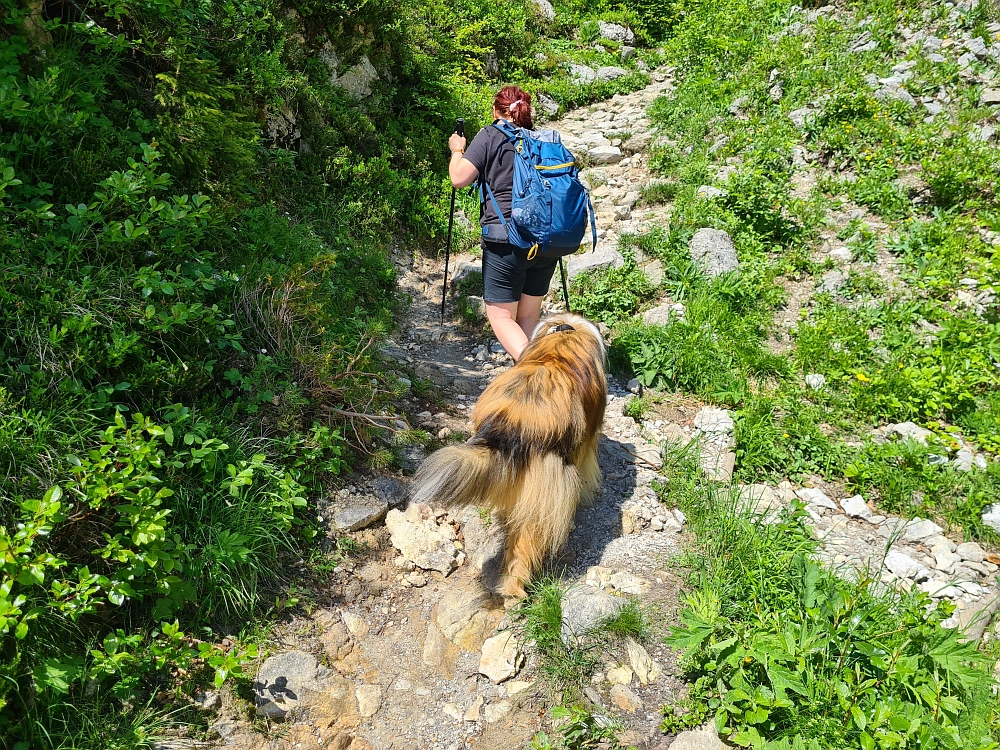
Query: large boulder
x,y
295,682
358,80
582,73
545,9
616,32
713,250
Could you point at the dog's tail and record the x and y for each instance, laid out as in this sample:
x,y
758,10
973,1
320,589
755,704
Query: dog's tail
x,y
537,498
459,475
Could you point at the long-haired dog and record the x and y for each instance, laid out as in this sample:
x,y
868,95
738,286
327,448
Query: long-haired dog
x,y
534,453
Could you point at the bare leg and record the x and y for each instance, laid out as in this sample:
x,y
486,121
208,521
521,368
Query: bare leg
x,y
502,316
529,310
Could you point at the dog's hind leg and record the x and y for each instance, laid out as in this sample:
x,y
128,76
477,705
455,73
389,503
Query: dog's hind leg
x,y
590,471
540,520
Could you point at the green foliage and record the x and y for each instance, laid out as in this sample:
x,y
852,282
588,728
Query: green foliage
x,y
578,729
611,295
786,654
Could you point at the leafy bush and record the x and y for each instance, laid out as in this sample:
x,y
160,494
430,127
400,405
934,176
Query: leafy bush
x,y
784,654
611,295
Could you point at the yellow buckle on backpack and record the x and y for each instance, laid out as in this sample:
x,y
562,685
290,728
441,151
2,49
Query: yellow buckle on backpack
x,y
533,251
520,147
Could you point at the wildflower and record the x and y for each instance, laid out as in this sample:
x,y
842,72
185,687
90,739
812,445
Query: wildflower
x,y
863,378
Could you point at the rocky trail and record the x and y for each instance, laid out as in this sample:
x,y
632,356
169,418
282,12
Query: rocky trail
x,y
409,651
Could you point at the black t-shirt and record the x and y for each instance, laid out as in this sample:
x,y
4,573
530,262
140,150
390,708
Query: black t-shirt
x,y
497,167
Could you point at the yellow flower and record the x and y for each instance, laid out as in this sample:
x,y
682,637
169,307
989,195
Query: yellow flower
x,y
785,435
863,378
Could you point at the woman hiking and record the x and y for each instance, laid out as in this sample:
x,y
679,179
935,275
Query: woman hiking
x,y
514,285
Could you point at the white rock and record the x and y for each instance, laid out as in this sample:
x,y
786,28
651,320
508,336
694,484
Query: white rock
x,y
582,73
713,421
620,676
901,564
909,430
369,700
713,250
420,539
945,561
815,381
971,552
856,507
605,155
709,192
500,657
615,32
545,9
585,608
592,261
358,80
813,496
920,528
646,668
494,712
698,739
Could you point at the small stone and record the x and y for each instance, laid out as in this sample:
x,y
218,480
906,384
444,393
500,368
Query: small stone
x,y
452,710
645,667
713,421
585,608
989,97
815,381
856,507
698,739
971,552
945,561
901,564
841,255
500,657
360,513
494,712
909,430
472,713
709,192
629,584
627,53
625,699
920,528
420,539
813,496
620,676
592,261
634,386
207,700
518,686
369,700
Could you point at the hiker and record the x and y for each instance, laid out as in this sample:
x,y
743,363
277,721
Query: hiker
x,y
513,285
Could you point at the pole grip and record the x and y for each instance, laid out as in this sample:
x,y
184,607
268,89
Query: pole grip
x,y
460,127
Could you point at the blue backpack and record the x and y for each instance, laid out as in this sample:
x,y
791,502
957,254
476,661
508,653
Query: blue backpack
x,y
549,204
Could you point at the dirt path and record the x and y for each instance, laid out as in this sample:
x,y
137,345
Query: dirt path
x,y
395,658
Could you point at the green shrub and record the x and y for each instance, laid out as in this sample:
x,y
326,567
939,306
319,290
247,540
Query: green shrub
x,y
611,295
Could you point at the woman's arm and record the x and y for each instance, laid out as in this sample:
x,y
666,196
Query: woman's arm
x,y
462,171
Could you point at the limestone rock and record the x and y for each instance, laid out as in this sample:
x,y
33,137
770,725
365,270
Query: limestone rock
x,y
610,73
625,699
592,261
616,32
605,155
585,608
909,430
295,681
422,541
991,516
989,97
494,712
646,668
813,496
547,104
464,615
359,512
920,528
663,314
714,251
358,80
500,657
971,552
369,700
713,421
620,676
464,269
856,507
698,739
901,564
582,73
815,381
545,9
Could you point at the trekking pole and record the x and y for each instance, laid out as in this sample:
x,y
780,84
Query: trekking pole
x,y
460,129
562,272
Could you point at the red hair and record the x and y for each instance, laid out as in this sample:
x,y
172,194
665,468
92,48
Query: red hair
x,y
514,103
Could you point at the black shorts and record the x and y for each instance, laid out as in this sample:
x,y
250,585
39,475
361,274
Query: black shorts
x,y
507,273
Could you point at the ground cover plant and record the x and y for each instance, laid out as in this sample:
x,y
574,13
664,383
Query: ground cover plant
x,y
197,214
783,653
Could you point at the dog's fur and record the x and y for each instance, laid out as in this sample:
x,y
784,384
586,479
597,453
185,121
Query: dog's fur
x,y
534,454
